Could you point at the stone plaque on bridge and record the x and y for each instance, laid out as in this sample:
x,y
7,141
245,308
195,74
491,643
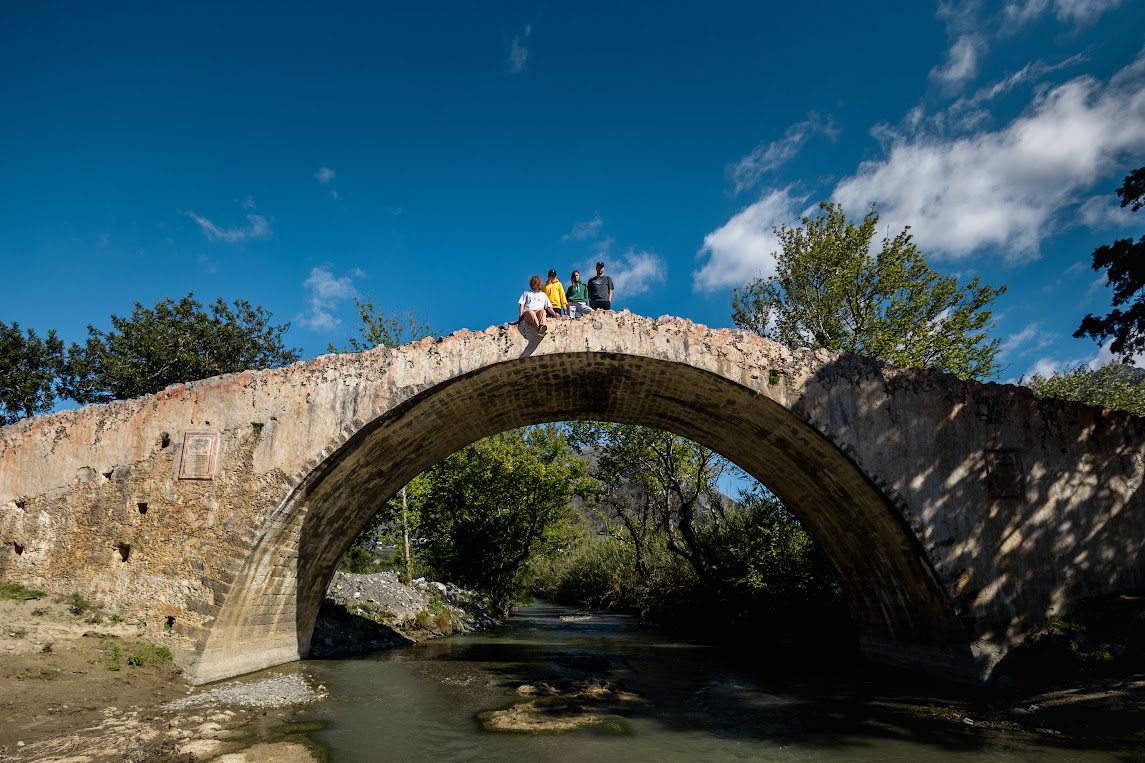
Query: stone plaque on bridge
x,y
200,453
1004,475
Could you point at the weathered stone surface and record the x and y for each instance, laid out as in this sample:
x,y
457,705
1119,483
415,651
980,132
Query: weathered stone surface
x,y
960,515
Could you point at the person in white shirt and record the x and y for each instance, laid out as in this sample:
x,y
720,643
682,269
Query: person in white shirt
x,y
534,304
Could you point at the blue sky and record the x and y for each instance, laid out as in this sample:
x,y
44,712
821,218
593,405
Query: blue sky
x,y
433,157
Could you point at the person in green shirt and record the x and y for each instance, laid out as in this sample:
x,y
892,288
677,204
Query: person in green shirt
x,y
577,295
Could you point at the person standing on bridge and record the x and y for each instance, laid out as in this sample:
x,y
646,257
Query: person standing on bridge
x,y
577,295
556,293
534,305
600,290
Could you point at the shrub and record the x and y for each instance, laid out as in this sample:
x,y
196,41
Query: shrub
x,y
19,592
148,654
359,561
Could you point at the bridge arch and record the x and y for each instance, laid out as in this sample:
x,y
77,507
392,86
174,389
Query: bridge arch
x,y
960,515
895,597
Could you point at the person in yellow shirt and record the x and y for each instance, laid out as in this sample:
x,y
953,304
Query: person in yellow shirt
x,y
556,291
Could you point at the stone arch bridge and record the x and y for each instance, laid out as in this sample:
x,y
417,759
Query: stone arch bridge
x,y
959,515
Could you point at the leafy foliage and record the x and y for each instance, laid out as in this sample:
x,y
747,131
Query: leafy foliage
x,y
172,343
599,571
490,507
670,546
29,368
833,290
1124,263
659,483
1112,385
378,328
768,566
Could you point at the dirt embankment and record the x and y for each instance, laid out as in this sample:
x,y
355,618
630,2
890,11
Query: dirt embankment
x,y
83,686
364,613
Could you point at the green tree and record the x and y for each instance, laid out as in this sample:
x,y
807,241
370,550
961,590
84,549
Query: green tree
x,y
655,484
1113,385
766,562
677,551
172,343
378,328
1124,263
490,507
832,289
396,525
29,369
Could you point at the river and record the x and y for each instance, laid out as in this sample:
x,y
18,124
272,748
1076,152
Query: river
x,y
683,701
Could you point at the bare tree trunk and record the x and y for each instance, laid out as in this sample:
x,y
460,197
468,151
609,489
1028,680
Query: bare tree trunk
x,y
408,564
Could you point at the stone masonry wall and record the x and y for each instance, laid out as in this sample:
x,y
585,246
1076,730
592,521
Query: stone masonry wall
x,y
960,515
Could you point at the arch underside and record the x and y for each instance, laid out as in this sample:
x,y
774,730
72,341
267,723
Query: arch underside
x,y
893,593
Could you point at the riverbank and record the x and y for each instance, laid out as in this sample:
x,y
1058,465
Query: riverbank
x,y
84,688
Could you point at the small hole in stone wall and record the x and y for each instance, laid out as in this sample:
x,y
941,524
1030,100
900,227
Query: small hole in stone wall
x,y
19,549
206,423
164,440
170,624
142,508
21,503
108,473
124,551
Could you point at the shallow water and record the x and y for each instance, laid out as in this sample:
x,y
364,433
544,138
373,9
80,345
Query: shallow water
x,y
698,703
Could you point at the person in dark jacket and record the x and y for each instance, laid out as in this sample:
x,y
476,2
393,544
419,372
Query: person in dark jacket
x,y
600,290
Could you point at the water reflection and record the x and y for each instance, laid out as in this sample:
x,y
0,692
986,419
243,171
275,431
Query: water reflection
x,y
698,703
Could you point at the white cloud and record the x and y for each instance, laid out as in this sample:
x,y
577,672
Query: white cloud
x,y
324,292
974,27
206,263
1083,12
1029,339
634,272
961,62
1105,355
1096,285
1080,13
765,157
1047,367
584,230
966,113
743,247
258,227
518,53
602,247
1104,211
1005,188
324,175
